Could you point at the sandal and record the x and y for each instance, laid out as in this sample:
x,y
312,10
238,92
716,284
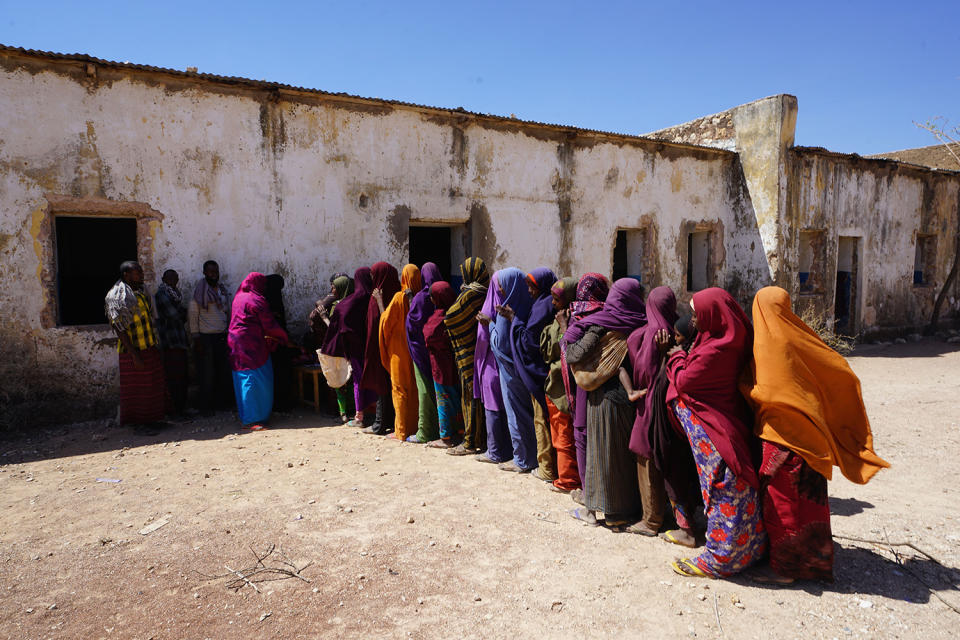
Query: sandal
x,y
461,450
670,536
254,427
686,568
577,496
414,439
440,444
585,516
537,474
766,575
641,530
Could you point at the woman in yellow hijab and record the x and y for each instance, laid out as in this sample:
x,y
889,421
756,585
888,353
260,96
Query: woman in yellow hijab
x,y
395,354
810,417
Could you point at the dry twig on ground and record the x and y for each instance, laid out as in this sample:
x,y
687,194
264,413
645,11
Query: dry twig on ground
x,y
261,572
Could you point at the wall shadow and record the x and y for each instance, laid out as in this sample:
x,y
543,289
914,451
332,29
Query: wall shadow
x,y
103,436
926,348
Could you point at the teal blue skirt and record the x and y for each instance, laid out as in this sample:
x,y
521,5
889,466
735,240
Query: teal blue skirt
x,y
254,391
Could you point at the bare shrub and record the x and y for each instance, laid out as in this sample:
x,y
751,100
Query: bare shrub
x,y
838,342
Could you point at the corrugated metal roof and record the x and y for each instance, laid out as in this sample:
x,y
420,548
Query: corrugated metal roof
x,y
275,86
876,158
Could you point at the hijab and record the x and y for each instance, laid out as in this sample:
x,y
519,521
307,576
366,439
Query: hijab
x,y
347,333
525,336
623,311
566,290
420,310
706,378
486,378
592,290
804,394
514,285
645,361
461,317
383,276
251,322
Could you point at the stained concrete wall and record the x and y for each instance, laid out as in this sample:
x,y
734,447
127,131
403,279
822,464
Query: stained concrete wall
x,y
304,184
885,204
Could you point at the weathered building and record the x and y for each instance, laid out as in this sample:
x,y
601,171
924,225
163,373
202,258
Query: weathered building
x,y
100,160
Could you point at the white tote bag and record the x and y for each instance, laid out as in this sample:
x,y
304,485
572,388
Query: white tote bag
x,y
335,369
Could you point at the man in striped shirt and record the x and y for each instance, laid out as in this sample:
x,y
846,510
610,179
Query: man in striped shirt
x,y
142,384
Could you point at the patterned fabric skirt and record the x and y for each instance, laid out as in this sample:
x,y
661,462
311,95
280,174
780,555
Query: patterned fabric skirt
x,y
450,411
142,391
254,391
796,513
736,537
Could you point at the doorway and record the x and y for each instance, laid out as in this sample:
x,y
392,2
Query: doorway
x,y
445,246
848,284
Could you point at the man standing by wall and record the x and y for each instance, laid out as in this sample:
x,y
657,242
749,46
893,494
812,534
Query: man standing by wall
x,y
142,387
208,317
171,329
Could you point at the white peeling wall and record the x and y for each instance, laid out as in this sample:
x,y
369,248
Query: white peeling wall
x,y
304,187
886,205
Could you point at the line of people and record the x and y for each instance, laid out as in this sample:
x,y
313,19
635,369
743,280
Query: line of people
x,y
727,428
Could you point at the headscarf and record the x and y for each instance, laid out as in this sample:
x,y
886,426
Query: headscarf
x,y
443,367
120,305
623,311
205,295
347,334
341,287
514,285
420,310
251,323
525,335
566,290
384,277
393,334
461,317
592,290
274,297
804,394
486,378
706,378
174,293
645,361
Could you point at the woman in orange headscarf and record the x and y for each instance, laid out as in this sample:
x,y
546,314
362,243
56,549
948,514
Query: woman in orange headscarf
x,y
395,354
810,417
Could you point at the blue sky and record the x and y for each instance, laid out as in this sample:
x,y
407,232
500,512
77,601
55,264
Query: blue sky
x,y
862,71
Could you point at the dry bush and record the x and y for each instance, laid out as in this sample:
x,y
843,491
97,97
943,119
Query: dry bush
x,y
840,343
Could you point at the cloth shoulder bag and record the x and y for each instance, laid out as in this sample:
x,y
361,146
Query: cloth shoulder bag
x,y
602,363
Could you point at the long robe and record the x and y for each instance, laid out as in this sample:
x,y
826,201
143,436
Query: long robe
x,y
395,355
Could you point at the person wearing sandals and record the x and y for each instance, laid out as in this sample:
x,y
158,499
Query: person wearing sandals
x,y
810,418
347,337
461,322
558,408
592,290
704,397
375,377
421,308
486,382
340,287
443,368
395,355
516,398
610,468
533,369
645,361
252,334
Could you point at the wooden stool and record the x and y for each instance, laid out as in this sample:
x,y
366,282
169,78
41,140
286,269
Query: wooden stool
x,y
313,370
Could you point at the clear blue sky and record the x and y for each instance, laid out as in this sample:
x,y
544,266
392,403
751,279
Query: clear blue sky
x,y
862,71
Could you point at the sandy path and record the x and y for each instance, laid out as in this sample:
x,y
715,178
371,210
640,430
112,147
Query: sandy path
x,y
488,554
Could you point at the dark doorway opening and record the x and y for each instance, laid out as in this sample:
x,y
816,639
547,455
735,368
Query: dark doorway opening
x,y
845,298
432,244
698,260
89,253
620,255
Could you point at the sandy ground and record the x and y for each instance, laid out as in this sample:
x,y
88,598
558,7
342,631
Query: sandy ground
x,y
406,541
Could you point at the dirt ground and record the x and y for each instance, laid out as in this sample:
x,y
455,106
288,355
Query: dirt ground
x,y
406,541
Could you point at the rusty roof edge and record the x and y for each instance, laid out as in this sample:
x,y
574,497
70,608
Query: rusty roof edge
x,y
277,86
856,156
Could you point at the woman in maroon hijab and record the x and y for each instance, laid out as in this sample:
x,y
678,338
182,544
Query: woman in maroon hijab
x,y
386,282
704,397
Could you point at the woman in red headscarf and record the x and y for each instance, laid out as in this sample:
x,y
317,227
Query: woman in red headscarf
x,y
706,402
443,367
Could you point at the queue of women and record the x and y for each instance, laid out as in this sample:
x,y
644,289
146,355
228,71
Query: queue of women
x,y
714,432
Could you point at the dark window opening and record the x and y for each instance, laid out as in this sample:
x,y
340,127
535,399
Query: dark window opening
x,y
845,297
698,260
432,244
812,258
925,260
620,255
89,253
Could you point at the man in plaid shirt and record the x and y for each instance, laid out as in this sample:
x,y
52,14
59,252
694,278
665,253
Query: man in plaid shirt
x,y
142,385
171,319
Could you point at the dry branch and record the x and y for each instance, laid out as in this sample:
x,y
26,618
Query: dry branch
x,y
261,572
